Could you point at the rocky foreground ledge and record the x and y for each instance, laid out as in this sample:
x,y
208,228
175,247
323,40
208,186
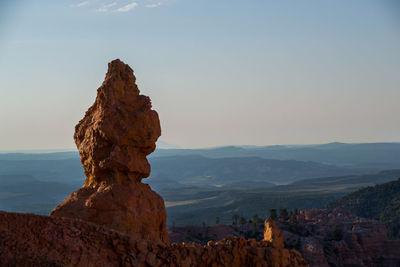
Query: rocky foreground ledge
x,y
34,240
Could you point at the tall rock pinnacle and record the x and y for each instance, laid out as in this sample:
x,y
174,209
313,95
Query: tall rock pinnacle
x,y
273,234
117,133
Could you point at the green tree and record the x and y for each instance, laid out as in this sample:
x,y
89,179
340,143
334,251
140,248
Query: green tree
x,y
273,214
255,230
296,211
292,217
283,214
217,220
242,222
235,219
256,219
337,232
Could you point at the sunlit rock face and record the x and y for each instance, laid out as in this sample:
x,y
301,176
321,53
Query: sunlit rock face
x,y
117,133
273,234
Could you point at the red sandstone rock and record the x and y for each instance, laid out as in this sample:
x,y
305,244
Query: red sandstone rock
x,y
132,208
273,234
33,240
338,238
363,242
117,133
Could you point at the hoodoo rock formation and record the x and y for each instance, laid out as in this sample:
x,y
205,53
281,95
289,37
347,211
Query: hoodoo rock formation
x,y
117,133
273,234
114,219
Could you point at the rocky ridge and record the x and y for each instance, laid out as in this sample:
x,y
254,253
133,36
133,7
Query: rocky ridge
x,y
34,240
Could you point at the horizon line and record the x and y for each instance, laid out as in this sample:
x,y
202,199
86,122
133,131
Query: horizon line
x,y
58,150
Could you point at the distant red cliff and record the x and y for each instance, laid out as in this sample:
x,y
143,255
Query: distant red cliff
x,y
324,237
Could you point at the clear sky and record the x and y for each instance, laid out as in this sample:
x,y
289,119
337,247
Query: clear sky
x,y
218,72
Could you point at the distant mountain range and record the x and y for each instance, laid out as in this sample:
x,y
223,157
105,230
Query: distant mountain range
x,y
249,172
374,156
200,184
191,206
165,145
24,193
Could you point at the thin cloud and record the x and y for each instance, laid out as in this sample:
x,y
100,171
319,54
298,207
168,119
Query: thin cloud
x,y
128,7
105,8
153,5
81,4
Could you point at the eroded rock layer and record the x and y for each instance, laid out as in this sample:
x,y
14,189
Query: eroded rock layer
x,y
338,238
132,208
117,133
324,238
33,240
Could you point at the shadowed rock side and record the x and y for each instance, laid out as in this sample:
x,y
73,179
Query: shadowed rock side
x,y
34,240
117,133
323,237
338,238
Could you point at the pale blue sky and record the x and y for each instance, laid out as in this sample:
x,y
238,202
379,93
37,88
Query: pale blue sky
x,y
219,72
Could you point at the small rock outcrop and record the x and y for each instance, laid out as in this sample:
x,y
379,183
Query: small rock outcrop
x,y
117,133
273,234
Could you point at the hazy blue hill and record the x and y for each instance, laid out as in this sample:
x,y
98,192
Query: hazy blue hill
x,y
24,193
373,156
224,202
15,179
195,187
380,202
37,182
67,171
195,170
356,180
40,156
